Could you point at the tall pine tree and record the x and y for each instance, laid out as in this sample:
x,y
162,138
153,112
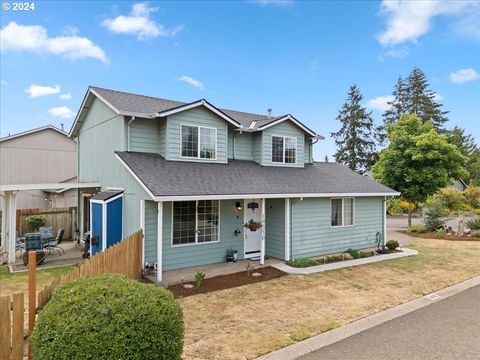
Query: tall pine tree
x,y
413,96
355,143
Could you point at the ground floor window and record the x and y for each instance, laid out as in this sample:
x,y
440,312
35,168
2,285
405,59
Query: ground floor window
x,y
195,222
342,211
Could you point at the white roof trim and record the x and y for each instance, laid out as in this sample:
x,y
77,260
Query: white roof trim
x,y
292,119
195,104
268,196
48,186
147,190
31,131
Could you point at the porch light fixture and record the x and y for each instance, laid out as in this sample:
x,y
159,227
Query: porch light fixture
x,y
238,206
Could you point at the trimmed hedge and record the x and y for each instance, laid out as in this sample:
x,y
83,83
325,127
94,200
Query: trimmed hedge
x,y
109,317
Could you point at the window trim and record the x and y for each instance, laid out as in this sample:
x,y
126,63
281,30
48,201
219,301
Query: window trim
x,y
283,151
343,212
196,227
198,142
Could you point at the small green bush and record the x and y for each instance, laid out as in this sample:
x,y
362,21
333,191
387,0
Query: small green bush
x,y
392,244
109,317
473,224
358,254
419,229
475,233
35,222
199,277
302,262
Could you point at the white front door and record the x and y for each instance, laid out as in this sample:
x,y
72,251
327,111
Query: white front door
x,y
253,239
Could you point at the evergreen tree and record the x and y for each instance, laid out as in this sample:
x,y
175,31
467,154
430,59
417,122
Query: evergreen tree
x,y
355,144
413,96
464,142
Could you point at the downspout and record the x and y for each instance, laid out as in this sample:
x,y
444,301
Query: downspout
x,y
128,132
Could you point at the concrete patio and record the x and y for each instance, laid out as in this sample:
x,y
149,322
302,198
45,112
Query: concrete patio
x,y
73,255
173,277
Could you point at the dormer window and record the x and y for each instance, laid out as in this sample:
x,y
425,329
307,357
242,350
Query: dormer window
x,y
199,142
284,149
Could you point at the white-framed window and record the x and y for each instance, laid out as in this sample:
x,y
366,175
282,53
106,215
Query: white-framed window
x,y
284,149
342,211
198,142
195,222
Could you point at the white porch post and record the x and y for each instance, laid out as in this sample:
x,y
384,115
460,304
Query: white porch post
x,y
11,200
159,241
385,221
142,226
262,250
287,229
4,221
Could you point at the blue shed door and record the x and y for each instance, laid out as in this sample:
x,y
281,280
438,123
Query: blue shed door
x,y
114,221
97,228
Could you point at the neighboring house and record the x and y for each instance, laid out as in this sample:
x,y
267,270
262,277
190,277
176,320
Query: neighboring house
x,y
458,184
39,156
191,175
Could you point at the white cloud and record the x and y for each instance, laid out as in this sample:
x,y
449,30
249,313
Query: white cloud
x,y
438,97
191,81
380,103
139,23
397,53
34,38
276,3
408,20
66,96
464,75
61,112
39,90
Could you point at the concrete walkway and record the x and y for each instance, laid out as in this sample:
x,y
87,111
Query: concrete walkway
x,y
447,331
343,264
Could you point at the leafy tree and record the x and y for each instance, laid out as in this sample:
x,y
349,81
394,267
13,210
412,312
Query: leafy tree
x,y
473,167
472,196
418,161
452,199
355,145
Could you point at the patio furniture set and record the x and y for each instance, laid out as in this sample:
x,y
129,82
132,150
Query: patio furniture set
x,y
42,242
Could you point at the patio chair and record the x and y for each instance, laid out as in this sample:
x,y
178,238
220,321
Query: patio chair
x,y
46,233
55,244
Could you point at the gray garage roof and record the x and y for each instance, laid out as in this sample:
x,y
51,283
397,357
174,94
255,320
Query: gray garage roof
x,y
134,103
238,177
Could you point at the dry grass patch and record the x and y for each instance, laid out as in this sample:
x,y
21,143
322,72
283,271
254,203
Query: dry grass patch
x,y
251,320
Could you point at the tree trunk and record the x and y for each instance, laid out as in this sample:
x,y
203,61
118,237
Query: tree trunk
x,y
409,214
461,223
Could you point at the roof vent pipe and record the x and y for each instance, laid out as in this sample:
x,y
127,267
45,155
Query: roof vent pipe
x,y
61,126
269,112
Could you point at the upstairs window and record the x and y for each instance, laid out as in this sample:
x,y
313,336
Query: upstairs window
x,y
342,212
199,142
284,149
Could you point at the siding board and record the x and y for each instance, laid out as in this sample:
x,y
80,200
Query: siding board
x,y
285,128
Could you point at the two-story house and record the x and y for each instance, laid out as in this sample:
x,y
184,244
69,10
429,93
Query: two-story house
x,y
191,175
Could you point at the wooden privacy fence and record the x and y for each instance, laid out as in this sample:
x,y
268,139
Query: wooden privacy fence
x,y
12,327
124,258
58,218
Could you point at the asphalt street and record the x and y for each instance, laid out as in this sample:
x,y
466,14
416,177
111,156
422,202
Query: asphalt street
x,y
447,329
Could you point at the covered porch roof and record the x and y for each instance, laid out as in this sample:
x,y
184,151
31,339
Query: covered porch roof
x,y
9,192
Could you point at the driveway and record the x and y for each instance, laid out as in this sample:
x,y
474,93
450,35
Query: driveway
x,y
447,329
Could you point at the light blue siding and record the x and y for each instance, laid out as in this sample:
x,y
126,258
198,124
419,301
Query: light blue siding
x,y
101,134
145,135
200,117
240,145
312,234
151,211
257,139
285,128
308,151
275,228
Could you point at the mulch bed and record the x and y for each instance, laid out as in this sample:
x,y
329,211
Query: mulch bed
x,y
442,236
227,281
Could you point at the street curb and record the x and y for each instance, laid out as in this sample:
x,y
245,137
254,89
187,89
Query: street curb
x,y
319,341
344,264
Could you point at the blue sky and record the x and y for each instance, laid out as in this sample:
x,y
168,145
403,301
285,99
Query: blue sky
x,y
292,56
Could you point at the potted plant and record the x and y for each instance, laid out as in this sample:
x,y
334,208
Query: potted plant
x,y
253,225
232,255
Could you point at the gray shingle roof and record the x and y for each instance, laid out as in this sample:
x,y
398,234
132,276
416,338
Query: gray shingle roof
x,y
133,103
238,177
